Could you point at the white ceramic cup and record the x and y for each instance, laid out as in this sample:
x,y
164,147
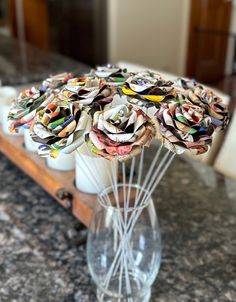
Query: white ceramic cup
x,y
64,162
30,145
7,95
92,173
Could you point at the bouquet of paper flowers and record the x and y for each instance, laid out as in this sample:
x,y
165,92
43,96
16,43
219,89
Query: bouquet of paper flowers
x,y
116,114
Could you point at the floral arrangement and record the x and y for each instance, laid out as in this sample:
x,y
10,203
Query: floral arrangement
x,y
116,113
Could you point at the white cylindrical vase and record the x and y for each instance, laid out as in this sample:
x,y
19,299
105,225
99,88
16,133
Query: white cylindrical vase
x,y
5,126
64,162
93,173
30,145
7,95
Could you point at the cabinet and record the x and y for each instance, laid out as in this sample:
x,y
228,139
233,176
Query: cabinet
x,y
76,29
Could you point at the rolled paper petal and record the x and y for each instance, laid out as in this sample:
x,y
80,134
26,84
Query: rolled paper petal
x,y
128,91
95,94
148,108
111,75
63,132
55,81
72,87
120,132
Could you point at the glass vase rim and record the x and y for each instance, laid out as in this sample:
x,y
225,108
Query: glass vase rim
x,y
129,209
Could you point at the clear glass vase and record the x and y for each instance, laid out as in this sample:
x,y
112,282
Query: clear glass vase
x,y
124,244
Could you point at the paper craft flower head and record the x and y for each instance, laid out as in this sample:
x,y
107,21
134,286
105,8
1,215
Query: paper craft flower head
x,y
120,132
149,86
147,90
30,100
88,91
188,121
60,127
111,74
207,99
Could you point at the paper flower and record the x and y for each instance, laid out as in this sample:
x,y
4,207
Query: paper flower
x,y
111,74
30,100
148,86
184,125
24,108
207,99
216,109
120,132
60,126
146,90
69,92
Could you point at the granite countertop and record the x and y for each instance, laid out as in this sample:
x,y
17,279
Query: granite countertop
x,y
21,63
42,258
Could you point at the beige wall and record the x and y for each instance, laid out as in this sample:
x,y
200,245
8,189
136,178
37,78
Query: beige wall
x,y
152,33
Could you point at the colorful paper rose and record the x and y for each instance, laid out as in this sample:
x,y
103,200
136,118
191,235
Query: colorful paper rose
x,y
88,90
24,108
120,132
111,74
30,100
146,90
184,125
149,86
69,92
60,127
207,99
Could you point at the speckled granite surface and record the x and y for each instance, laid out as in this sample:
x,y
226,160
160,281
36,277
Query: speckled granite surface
x,y
41,261
21,63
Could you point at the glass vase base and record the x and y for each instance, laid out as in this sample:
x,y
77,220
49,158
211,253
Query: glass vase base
x,y
116,283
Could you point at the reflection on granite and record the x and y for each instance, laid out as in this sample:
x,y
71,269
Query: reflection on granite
x,y
21,63
40,259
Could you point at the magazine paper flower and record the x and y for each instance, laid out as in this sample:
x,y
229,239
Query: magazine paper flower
x,y
206,98
24,108
184,125
120,132
146,90
30,100
111,74
72,87
60,126
216,109
148,86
